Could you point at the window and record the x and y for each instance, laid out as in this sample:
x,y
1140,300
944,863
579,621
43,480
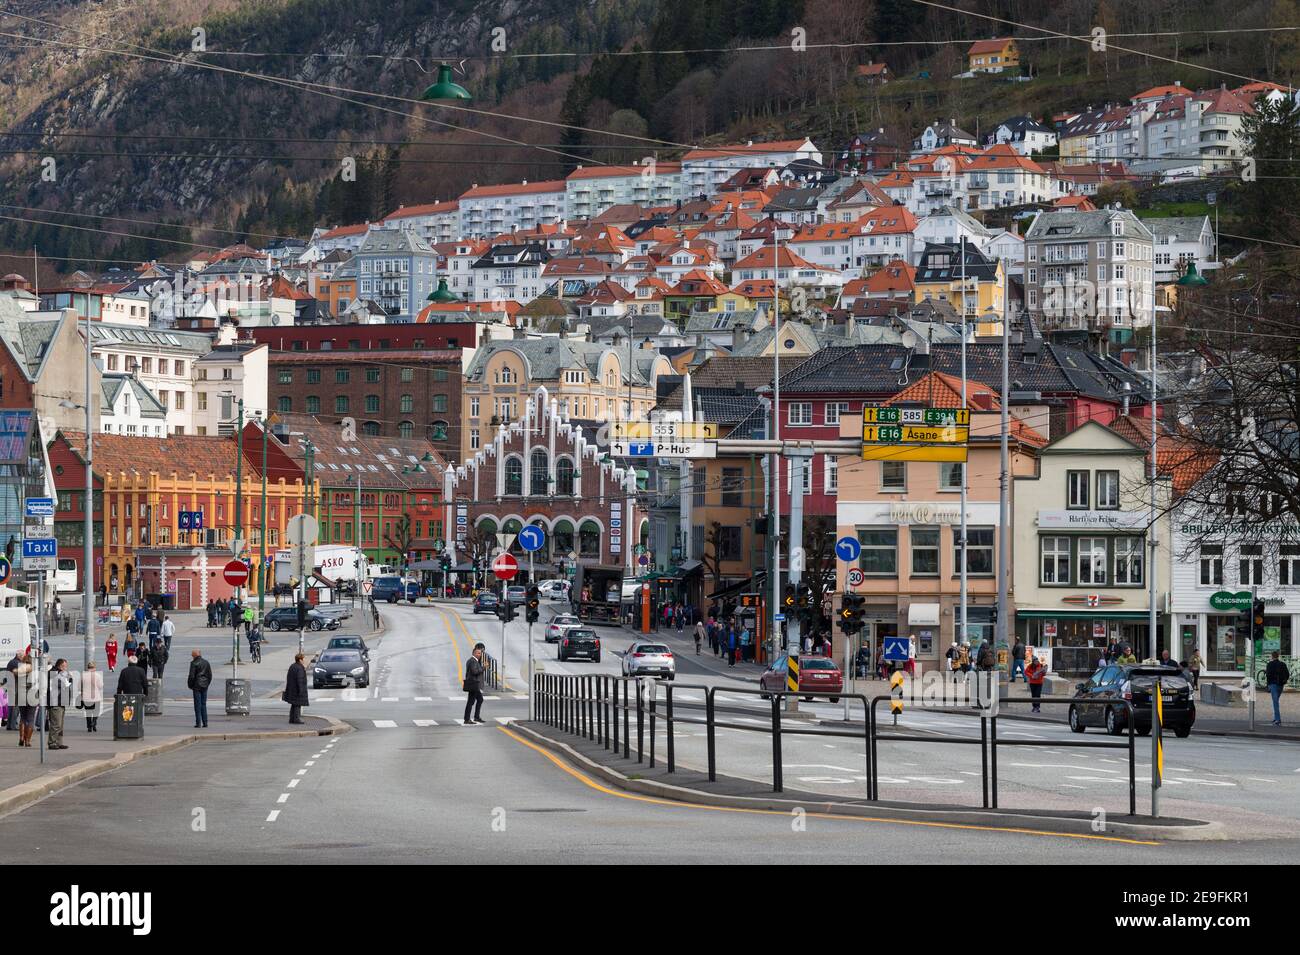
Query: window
x,y
893,476
1211,564
589,539
202,398
832,474
699,485
1128,561
180,401
538,473
925,552
370,428
372,404
1092,560
1251,564
564,477
950,475
514,476
1076,490
1288,565
408,374
474,439
800,412
473,407
405,429
879,552
284,403
342,376
406,404
285,376
834,409
1108,490
440,403
313,376
729,543
372,374
1056,560
733,487
979,550
341,404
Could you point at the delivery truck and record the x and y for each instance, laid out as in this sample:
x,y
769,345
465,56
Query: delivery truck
x,y
597,592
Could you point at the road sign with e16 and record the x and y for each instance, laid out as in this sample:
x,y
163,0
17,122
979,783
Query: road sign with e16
x,y
914,452
915,434
927,416
625,431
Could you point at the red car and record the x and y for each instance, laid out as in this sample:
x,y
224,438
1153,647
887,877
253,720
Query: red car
x,y
817,675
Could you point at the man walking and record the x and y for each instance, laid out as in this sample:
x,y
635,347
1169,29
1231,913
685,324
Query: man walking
x,y
1017,660
153,628
1276,676
200,679
699,636
474,686
168,631
295,688
132,679
158,657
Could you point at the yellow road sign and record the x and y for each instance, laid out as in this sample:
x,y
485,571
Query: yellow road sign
x,y
914,452
915,434
896,680
792,675
895,706
926,416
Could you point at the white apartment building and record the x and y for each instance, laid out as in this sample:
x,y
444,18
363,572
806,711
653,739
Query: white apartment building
x,y
1179,240
704,170
590,190
432,222
229,372
486,211
161,360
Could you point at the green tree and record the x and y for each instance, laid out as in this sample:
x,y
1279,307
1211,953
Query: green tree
x,y
1270,197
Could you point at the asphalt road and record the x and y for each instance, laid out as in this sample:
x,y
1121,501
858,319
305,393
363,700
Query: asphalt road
x,y
413,785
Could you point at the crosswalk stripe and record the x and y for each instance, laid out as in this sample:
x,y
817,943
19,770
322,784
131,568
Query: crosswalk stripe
x,y
323,699
505,719
389,699
424,699
274,815
521,696
426,722
384,724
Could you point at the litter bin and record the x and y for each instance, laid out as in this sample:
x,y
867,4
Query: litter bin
x,y
128,716
238,697
153,697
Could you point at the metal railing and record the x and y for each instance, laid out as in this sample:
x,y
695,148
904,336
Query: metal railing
x,y
602,708
491,672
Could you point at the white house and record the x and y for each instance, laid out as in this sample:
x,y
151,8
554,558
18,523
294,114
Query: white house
x,y
432,222
1178,240
704,170
1024,134
590,190
946,226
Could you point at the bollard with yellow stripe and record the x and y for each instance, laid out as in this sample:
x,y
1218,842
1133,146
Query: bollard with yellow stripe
x,y
1158,743
792,674
896,688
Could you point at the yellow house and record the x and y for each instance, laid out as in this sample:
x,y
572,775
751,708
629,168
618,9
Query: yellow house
x,y
940,276
993,56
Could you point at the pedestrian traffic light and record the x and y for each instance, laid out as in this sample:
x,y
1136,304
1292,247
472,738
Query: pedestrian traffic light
x,y
1257,621
852,612
506,610
446,563
532,603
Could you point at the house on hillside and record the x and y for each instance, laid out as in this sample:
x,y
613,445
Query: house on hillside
x,y
993,56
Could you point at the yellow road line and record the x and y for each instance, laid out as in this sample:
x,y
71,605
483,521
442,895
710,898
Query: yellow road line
x,y
588,781
455,647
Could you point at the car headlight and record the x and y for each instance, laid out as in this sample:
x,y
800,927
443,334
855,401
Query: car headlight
x,y
358,671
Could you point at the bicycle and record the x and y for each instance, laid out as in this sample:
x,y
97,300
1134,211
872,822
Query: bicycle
x,y
255,651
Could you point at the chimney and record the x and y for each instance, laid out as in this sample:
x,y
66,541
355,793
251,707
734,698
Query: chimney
x,y
1127,391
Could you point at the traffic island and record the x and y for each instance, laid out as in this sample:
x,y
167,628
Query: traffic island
x,y
690,786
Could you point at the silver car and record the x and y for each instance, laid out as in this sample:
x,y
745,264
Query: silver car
x,y
559,623
647,658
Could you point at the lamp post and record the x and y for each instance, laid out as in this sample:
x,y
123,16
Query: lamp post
x,y
261,568
88,508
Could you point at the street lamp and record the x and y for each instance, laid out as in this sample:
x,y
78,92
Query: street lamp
x,y
442,295
446,88
87,507
1192,278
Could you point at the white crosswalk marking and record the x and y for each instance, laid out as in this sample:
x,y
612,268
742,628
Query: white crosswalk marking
x,y
424,699
426,722
274,815
293,783
521,696
505,719
389,699
384,724
284,797
323,699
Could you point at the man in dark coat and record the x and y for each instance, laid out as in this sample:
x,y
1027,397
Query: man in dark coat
x,y
132,679
474,685
199,680
295,689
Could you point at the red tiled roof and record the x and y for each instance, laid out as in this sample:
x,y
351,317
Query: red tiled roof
x,y
513,189
989,46
741,149
938,389
610,172
428,209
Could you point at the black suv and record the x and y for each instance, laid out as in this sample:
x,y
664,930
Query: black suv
x,y
578,642
1134,683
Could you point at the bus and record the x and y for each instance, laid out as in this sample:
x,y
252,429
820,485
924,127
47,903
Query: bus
x,y
65,576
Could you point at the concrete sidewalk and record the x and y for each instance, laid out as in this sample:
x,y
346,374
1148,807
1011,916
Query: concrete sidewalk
x,y
24,779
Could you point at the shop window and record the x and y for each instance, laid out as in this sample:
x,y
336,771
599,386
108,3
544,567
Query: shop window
x,y
925,551
879,552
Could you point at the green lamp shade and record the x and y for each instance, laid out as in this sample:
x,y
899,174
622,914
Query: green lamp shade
x,y
446,88
442,295
1192,277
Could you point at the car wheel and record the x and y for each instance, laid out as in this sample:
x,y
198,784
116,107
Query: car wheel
x,y
1182,732
1076,721
807,699
392,598
316,624
275,625
596,658
1112,722
362,684
835,699
315,685
765,696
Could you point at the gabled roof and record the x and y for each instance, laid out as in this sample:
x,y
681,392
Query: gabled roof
x,y
428,209
990,46
939,390
1181,228
765,257
379,461
183,453
1060,225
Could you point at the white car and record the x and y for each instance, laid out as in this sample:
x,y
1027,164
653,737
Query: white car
x,y
554,589
559,623
646,658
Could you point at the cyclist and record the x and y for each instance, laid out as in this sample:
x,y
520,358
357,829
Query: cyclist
x,y
255,643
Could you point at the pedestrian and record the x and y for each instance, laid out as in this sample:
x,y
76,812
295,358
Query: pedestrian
x,y
700,632
132,679
713,635
199,680
985,661
1165,659
132,635
1034,677
158,657
295,688
25,691
953,657
92,695
110,651
209,609
1126,656
1017,660
152,628
58,695
249,616
745,644
103,595
168,631
679,617
1276,676
733,644
1195,664
807,644
142,655
473,686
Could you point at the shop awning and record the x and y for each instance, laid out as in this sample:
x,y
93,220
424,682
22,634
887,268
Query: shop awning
x,y
688,566
1097,614
923,615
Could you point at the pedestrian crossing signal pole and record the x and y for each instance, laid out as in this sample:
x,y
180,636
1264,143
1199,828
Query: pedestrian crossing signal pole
x,y
896,689
1157,746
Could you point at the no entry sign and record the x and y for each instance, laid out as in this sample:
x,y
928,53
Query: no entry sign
x,y
235,573
505,567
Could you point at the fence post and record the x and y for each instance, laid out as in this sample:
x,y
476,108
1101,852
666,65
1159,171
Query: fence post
x,y
984,757
627,719
654,701
866,744
875,761
709,729
1132,766
613,709
590,692
668,697
993,745
778,781
640,724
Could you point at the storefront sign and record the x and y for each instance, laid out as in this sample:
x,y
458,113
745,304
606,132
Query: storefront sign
x,y
1226,601
1275,530
924,514
1092,520
1099,630
1049,629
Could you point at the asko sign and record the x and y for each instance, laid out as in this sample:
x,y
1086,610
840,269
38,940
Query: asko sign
x,y
505,567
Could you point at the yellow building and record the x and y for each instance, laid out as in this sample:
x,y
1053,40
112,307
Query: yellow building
x,y
941,274
993,56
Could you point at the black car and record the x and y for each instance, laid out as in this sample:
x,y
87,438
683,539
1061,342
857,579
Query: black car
x,y
485,602
1134,683
286,618
578,642
350,642
339,668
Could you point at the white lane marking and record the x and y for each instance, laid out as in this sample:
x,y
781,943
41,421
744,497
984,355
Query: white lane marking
x,y
284,797
1072,786
1260,780
318,755
460,722
274,815
389,699
424,699
310,762
302,772
967,772
829,745
505,719
1060,766
936,780
521,696
425,722
323,699
384,724
491,697
1020,733
455,698
293,783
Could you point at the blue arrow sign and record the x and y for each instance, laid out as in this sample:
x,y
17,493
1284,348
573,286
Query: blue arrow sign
x,y
5,569
40,547
641,449
848,549
532,538
896,649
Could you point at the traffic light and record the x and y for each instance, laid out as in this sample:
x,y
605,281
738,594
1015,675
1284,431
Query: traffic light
x,y
532,603
852,612
506,610
446,563
1257,621
804,596
302,614
789,598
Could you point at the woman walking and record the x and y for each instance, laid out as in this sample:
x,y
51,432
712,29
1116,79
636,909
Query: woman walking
x,y
24,693
1195,665
1034,674
110,652
92,695
295,688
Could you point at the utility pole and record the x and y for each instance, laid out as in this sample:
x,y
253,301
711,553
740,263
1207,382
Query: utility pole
x,y
1004,485
88,506
961,633
775,527
356,537
239,523
1153,643
261,569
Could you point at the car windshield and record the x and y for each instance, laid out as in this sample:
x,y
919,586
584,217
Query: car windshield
x,y
567,618
811,663
652,648
354,642
340,656
583,634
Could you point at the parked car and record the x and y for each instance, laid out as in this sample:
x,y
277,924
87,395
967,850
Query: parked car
x,y
393,589
579,642
555,589
349,642
485,601
1134,683
818,675
342,611
646,658
559,623
286,618
339,668
516,595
